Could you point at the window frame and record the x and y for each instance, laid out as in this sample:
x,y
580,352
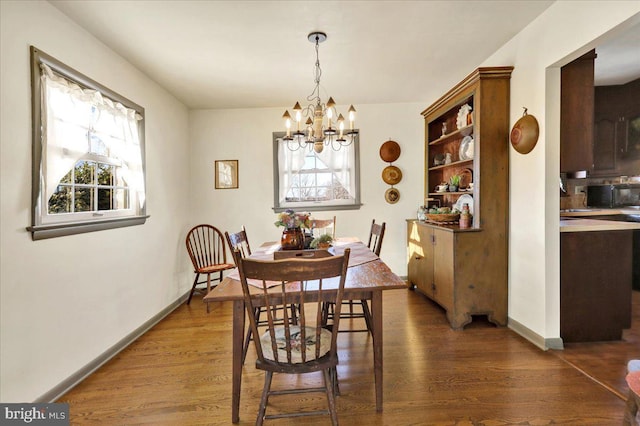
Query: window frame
x,y
315,206
54,228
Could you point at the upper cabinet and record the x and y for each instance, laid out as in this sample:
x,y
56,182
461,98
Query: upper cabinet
x,y
616,144
577,114
467,134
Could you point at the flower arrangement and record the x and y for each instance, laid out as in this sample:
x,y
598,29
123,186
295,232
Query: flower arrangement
x,y
290,220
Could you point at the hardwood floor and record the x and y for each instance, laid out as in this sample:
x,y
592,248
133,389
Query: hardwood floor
x,y
179,373
606,362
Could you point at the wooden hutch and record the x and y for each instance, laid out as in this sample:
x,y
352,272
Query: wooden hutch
x,y
465,270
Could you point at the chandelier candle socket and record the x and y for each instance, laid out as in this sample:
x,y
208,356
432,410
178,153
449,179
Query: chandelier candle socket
x,y
319,134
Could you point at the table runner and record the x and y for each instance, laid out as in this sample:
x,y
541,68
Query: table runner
x,y
359,254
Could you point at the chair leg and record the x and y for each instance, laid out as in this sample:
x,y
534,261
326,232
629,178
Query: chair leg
x,y
334,380
330,397
631,410
268,375
247,339
367,315
193,288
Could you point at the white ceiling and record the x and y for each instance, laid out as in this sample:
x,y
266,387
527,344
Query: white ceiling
x,y
243,54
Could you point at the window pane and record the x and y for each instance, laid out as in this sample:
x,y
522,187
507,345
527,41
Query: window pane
x,y
83,199
324,179
105,174
121,199
118,180
105,198
84,172
60,201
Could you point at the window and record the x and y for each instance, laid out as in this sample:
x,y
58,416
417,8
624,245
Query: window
x,y
306,180
88,151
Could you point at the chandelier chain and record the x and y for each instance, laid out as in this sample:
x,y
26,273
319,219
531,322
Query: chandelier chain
x,y
315,95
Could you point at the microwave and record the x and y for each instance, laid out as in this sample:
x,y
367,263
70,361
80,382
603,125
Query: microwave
x,y
611,196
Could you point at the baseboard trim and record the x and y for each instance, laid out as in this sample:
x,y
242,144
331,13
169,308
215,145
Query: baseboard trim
x,y
535,338
84,372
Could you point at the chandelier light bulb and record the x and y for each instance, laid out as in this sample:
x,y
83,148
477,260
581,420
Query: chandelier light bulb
x,y
352,116
297,110
287,123
341,128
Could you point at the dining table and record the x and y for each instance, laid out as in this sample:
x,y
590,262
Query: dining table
x,y
367,277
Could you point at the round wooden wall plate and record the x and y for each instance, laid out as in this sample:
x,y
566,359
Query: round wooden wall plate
x,y
392,195
391,175
390,151
524,134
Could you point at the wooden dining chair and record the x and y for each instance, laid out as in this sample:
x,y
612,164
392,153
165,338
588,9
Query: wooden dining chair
x,y
323,226
376,236
239,246
208,254
300,348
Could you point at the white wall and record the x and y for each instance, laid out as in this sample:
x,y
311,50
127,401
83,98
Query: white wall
x,y
562,33
246,135
64,301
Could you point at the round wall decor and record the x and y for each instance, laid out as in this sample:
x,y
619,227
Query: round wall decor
x,y
390,151
524,134
392,195
391,175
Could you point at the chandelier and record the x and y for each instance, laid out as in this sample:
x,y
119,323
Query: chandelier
x,y
317,133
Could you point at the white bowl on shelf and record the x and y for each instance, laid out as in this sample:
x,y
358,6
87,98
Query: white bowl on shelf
x,y
464,199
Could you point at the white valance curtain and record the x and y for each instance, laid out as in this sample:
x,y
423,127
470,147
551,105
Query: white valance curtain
x,y
69,115
341,163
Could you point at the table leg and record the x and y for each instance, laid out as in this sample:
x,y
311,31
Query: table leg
x,y
376,317
238,340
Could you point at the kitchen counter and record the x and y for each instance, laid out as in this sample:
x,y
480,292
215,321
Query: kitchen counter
x,y
588,211
583,225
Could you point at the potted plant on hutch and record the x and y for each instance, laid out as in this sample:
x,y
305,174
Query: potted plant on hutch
x,y
292,236
454,183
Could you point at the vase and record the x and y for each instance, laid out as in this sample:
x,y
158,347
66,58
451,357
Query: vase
x,y
292,239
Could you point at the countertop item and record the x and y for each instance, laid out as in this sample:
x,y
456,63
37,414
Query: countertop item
x,y
585,225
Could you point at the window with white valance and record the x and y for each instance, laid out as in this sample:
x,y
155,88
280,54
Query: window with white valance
x,y
311,181
88,153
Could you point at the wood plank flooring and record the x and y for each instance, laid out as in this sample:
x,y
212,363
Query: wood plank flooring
x,y
179,373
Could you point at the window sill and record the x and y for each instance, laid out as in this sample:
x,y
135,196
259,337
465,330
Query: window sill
x,y
42,232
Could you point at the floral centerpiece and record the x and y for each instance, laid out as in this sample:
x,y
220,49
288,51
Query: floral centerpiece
x,y
292,236
291,220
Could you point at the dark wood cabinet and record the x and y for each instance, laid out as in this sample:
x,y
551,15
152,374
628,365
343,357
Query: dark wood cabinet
x,y
595,285
577,114
616,143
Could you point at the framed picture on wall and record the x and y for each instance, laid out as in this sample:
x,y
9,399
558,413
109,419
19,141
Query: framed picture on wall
x,y
226,173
